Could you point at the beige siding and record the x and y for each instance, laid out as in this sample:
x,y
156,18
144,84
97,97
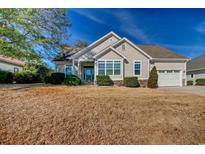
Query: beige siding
x,y
9,67
104,44
133,54
110,55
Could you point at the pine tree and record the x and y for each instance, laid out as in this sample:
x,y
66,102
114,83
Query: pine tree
x,y
153,78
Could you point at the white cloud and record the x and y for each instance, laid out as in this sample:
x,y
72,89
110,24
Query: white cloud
x,y
201,27
128,25
126,21
88,14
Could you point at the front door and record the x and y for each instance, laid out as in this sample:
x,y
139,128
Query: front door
x,y
88,74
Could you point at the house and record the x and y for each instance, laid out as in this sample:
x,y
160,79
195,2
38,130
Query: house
x,y
10,64
119,57
196,68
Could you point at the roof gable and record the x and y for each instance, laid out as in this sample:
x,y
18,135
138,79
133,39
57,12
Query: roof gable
x,y
108,50
133,45
94,44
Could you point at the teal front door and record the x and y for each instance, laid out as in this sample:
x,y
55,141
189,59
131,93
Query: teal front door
x,y
88,74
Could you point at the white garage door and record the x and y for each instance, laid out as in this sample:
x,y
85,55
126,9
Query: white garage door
x,y
169,78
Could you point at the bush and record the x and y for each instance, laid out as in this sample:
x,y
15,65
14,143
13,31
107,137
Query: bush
x,y
190,82
47,79
26,77
57,78
72,80
6,77
200,82
131,82
153,78
103,80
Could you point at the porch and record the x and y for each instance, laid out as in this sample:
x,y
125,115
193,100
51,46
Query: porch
x,y
85,70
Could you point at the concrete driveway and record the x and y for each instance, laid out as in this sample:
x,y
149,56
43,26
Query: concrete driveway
x,y
199,90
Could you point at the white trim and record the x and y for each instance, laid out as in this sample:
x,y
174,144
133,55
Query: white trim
x,y
169,59
140,68
121,68
181,78
196,69
110,48
92,44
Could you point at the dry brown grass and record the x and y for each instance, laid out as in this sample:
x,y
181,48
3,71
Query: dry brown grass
x,y
100,115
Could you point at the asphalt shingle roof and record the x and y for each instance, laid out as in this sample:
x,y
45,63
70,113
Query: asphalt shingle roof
x,y
196,63
10,60
155,51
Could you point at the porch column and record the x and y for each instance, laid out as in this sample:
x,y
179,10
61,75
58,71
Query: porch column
x,y
79,69
73,66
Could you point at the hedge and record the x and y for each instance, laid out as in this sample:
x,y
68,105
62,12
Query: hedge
x,y
190,82
200,82
104,80
26,77
57,78
131,82
72,80
6,77
47,79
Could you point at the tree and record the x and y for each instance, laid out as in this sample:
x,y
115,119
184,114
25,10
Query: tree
x,y
80,44
153,78
32,33
40,69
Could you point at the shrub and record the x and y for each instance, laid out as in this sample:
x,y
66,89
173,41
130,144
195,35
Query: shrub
x,y
26,77
6,77
153,78
131,82
189,83
72,80
200,82
103,80
57,78
47,79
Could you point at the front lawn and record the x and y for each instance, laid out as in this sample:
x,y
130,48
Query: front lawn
x,y
100,115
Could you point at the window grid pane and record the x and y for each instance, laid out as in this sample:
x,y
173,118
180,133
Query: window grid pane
x,y
137,68
101,67
109,68
117,67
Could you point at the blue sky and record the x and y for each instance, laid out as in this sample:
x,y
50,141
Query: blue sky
x,y
181,30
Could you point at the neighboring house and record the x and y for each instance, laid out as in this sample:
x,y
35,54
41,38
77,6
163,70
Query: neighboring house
x,y
196,68
10,64
119,57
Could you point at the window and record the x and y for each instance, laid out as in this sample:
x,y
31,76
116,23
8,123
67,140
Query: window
x,y
137,68
117,67
16,69
109,67
123,47
176,71
192,75
169,71
161,71
68,70
101,68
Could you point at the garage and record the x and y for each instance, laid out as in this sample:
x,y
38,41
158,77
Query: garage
x,y
169,78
